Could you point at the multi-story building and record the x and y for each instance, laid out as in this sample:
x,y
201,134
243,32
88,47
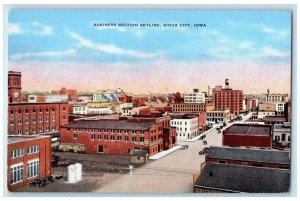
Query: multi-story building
x,y
56,98
194,97
249,135
280,107
34,118
216,116
271,120
276,98
267,107
192,107
261,114
282,132
228,99
71,93
117,137
14,87
28,158
186,127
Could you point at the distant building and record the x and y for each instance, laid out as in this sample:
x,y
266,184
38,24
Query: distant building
x,y
117,137
28,158
271,120
228,99
276,98
227,178
186,127
249,157
70,93
56,98
267,107
194,97
282,132
248,135
14,87
130,111
261,114
192,107
216,116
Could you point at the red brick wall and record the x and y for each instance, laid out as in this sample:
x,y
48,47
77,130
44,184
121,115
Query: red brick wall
x,y
242,140
14,85
228,99
202,120
44,156
115,147
60,114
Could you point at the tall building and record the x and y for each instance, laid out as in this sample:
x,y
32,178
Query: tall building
x,y
194,97
186,127
14,86
228,99
276,97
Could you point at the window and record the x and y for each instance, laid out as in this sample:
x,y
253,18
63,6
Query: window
x,y
142,132
33,149
53,128
53,119
277,138
33,130
222,161
47,109
40,119
100,149
41,109
53,109
47,128
26,131
126,131
105,130
75,136
86,129
20,111
26,121
16,174
105,137
33,169
33,110
19,121
119,131
112,137
41,129
142,139
133,139
126,138
47,119
99,137
93,137
64,109
17,153
99,130
33,120
19,132
12,122
133,132
119,138
11,111
12,132
283,137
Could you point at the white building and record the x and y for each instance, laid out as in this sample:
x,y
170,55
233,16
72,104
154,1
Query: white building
x,y
282,132
32,98
262,114
276,98
218,116
280,106
194,97
56,98
100,111
129,111
80,109
186,128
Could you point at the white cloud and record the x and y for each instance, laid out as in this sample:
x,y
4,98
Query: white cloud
x,y
271,52
109,48
117,28
43,29
70,52
245,45
14,29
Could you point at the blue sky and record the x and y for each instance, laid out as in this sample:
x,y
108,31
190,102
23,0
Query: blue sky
x,y
250,39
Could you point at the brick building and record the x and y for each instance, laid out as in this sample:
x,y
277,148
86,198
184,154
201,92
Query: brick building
x,y
249,157
228,99
71,93
218,116
14,87
116,137
271,120
250,135
33,118
192,107
28,158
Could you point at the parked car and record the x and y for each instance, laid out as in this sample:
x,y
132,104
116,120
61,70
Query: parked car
x,y
204,142
219,131
224,124
202,137
48,180
203,151
183,147
37,183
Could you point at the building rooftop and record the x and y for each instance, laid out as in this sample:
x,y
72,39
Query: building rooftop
x,y
248,129
37,103
21,138
244,154
110,124
248,179
282,127
274,118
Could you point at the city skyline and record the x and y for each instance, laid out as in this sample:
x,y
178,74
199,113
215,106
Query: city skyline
x,y
64,48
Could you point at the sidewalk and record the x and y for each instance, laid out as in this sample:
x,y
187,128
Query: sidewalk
x,y
164,153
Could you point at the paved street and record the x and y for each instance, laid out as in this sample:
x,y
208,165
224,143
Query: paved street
x,y
170,174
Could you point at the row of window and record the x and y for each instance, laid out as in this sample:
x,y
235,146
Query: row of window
x,y
17,172
34,110
12,122
20,152
112,137
178,123
41,129
105,130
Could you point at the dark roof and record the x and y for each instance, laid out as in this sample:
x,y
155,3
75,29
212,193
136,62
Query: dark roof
x,y
249,179
248,129
37,103
110,124
52,134
274,118
257,155
142,153
21,138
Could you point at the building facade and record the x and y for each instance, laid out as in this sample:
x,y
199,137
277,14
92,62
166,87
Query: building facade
x,y
14,87
248,135
228,99
28,158
192,107
116,137
194,97
216,116
276,98
282,133
186,128
34,118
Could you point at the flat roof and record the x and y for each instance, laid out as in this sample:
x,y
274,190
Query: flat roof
x,y
110,124
244,154
21,138
248,179
38,103
248,129
274,118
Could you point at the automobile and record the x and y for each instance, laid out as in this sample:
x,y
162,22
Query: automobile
x,y
202,137
59,177
48,180
37,183
204,142
221,127
219,131
203,151
224,124
183,147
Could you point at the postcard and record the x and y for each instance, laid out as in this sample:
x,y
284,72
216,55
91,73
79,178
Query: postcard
x,y
149,101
